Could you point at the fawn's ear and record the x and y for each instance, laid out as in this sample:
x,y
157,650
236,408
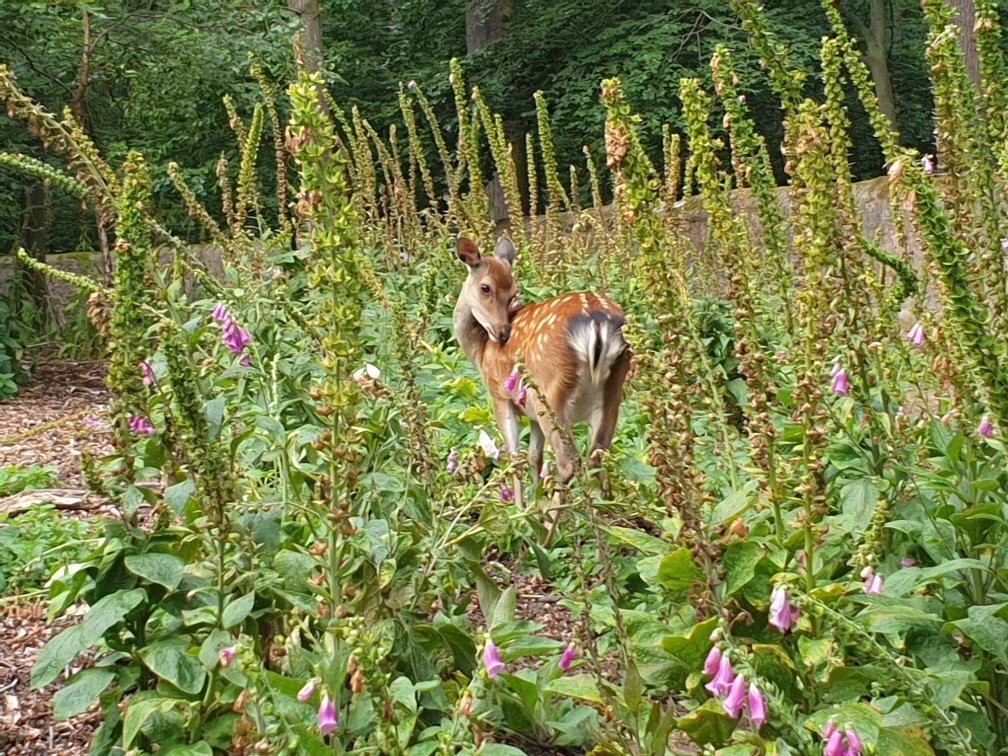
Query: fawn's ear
x,y
468,253
504,250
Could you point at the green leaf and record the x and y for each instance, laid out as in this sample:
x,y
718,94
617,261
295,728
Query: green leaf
x,y
740,560
986,630
734,504
81,691
176,497
633,686
170,661
582,687
214,410
677,573
56,655
237,610
504,609
163,569
109,611
708,723
814,651
857,503
142,709
196,749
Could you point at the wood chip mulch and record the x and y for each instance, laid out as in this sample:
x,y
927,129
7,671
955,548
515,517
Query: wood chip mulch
x,y
49,423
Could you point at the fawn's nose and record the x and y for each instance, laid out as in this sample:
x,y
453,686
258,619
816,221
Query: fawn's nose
x,y
505,333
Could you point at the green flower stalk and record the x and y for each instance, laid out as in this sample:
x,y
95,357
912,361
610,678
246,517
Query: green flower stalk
x,y
227,197
248,194
279,150
235,121
554,189
195,207
417,154
128,325
51,176
442,149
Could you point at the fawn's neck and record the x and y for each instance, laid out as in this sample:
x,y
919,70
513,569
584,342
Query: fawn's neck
x,y
471,336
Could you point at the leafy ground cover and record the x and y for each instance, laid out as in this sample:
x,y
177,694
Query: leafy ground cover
x,y
796,543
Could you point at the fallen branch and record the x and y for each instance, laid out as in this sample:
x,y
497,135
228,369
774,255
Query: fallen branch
x,y
61,498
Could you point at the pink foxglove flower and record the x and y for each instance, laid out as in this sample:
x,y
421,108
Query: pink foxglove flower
x,y
840,385
1004,245
522,396
783,616
828,729
986,427
907,562
141,426
491,659
836,367
929,164
712,661
568,657
834,744
306,692
722,681
327,718
736,697
220,313
512,381
147,371
757,706
853,743
916,335
506,494
452,465
872,582
226,655
235,337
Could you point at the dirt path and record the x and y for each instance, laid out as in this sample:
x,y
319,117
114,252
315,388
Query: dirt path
x,y
61,414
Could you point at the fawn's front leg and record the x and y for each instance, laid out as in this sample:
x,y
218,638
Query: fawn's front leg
x,y
507,421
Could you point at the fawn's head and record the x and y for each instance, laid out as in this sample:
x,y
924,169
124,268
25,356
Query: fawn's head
x,y
489,290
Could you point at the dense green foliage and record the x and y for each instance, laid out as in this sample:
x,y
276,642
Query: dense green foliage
x,y
798,542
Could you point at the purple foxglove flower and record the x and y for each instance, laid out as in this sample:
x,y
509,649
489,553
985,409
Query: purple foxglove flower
x,y
411,84
522,395
916,335
783,616
512,381
907,562
147,371
220,313
452,465
736,697
226,655
757,706
836,367
567,658
327,718
544,470
491,659
986,427
722,680
873,585
834,744
506,494
235,337
489,447
840,385
141,426
928,163
306,692
245,361
828,729
853,743
1004,245
710,665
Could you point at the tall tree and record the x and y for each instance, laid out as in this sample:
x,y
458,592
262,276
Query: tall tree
x,y
876,38
966,19
310,35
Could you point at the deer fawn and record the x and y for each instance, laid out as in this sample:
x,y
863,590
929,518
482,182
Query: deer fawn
x,y
572,347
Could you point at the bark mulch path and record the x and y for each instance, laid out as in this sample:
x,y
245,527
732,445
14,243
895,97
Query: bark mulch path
x,y
49,424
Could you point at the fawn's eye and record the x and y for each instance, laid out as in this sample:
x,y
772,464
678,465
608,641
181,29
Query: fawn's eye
x,y
485,288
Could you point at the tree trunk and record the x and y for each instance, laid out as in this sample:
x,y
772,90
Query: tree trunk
x,y
34,230
966,19
486,21
877,57
310,36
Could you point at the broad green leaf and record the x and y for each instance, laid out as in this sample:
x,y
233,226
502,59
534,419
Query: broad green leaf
x,y
197,749
708,723
740,560
163,569
236,611
81,691
109,611
56,655
171,661
902,742
633,686
734,504
142,709
858,499
814,651
986,630
176,497
214,410
582,687
504,609
677,572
